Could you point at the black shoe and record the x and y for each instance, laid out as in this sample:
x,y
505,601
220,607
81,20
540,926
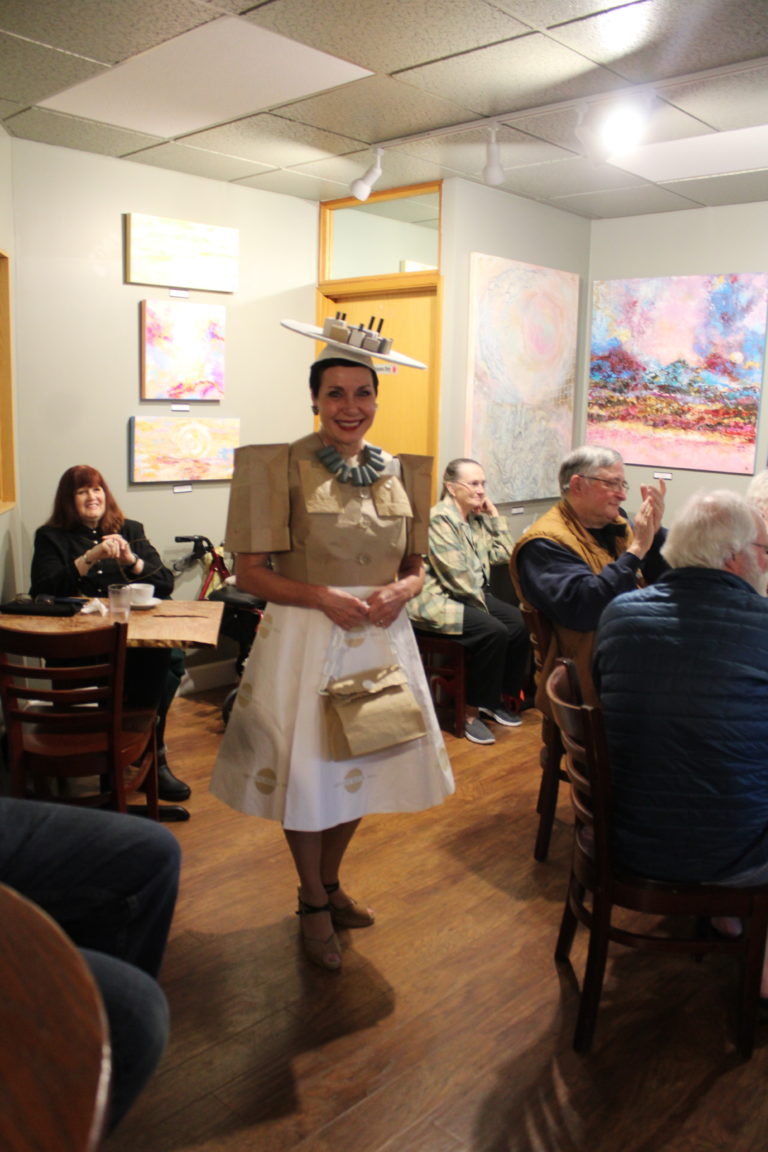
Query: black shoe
x,y
169,787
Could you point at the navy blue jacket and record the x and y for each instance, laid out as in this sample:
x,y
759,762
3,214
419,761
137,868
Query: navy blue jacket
x,y
682,672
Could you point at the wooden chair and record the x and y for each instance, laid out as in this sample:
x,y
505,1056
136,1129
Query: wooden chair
x,y
66,722
551,753
443,660
594,876
54,1050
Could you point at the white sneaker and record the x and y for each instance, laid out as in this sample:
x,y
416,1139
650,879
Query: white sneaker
x,y
477,732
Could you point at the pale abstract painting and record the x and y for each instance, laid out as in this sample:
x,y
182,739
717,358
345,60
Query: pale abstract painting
x,y
173,449
522,368
181,253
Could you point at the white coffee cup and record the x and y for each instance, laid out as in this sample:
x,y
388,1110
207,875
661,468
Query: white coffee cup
x,y
141,593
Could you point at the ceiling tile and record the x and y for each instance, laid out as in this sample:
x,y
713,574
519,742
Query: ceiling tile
x,y
520,74
79,25
739,100
9,108
198,162
567,177
559,126
306,187
70,132
272,140
652,39
618,202
29,72
545,13
245,68
426,29
735,188
380,108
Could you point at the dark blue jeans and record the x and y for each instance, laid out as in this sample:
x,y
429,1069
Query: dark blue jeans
x,y
110,881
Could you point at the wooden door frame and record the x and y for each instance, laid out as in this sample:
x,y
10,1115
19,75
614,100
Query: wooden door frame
x,y
7,438
333,292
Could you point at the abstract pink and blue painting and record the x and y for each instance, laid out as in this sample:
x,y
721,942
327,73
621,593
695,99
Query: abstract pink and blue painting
x,y
677,368
182,346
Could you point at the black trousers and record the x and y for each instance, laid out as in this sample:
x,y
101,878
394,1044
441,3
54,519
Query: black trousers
x,y
498,652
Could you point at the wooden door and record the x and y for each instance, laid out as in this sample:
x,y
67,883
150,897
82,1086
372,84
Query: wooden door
x,y
408,414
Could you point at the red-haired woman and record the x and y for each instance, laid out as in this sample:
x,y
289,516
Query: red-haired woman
x,y
87,544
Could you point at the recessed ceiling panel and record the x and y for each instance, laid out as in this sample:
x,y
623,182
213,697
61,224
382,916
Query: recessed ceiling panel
x,y
225,69
739,151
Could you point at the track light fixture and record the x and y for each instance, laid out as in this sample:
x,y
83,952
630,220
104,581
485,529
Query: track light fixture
x,y
493,173
361,188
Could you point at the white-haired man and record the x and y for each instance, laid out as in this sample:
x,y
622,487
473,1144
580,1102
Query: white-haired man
x,y
583,552
682,672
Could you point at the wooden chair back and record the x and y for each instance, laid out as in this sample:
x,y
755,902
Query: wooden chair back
x,y
69,736
54,1052
540,633
594,875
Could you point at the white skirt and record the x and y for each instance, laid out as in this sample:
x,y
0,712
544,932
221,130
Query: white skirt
x,y
271,763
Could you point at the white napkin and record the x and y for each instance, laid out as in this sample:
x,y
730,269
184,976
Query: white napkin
x,y
94,606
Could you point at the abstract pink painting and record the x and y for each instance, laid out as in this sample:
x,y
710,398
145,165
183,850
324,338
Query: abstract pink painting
x,y
677,369
182,350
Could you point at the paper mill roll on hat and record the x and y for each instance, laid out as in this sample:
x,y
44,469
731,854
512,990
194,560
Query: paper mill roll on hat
x,y
362,345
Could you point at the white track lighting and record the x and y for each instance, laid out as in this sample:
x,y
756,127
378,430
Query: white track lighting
x,y
493,173
361,188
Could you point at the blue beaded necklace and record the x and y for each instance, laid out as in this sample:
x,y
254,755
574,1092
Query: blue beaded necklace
x,y
361,475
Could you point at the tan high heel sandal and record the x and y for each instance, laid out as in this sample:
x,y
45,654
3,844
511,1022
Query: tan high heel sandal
x,y
351,915
324,953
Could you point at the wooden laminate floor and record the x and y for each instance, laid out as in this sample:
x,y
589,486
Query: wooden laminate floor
x,y
449,1029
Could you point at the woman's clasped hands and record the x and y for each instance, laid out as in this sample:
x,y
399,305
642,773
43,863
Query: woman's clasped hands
x,y
380,609
113,547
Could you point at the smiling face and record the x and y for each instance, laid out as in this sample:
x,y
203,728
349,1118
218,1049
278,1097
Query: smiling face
x,y
90,505
346,403
596,498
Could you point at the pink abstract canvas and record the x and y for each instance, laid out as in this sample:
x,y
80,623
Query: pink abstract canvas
x,y
677,369
182,350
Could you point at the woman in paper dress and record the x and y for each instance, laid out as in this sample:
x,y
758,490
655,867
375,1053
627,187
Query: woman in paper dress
x,y
329,531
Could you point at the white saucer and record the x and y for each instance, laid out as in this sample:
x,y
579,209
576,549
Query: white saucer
x,y
317,334
153,603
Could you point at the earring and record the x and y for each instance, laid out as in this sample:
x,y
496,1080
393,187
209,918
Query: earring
x,y
315,410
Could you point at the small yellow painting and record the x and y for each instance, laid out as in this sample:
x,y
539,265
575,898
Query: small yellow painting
x,y
172,449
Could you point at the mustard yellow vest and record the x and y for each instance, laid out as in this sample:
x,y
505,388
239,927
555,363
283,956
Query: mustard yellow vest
x,y
561,526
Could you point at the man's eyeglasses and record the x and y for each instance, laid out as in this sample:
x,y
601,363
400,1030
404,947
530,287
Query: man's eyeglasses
x,y
764,547
614,485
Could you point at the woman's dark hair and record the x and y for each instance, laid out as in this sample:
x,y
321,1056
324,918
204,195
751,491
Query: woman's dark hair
x,y
451,473
64,513
317,369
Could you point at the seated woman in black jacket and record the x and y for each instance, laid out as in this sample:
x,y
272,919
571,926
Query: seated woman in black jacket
x,y
88,544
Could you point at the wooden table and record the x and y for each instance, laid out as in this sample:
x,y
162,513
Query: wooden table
x,y
169,624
